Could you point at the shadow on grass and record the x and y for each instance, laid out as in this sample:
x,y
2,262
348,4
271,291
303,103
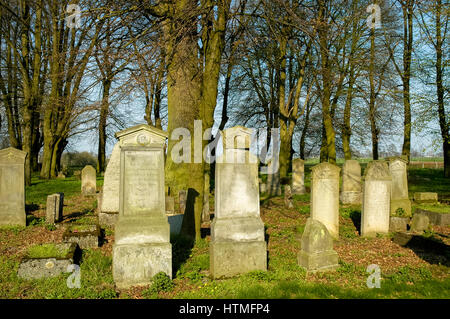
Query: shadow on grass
x,y
432,250
31,207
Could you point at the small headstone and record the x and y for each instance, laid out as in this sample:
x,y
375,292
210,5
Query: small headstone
x,y
170,205
288,197
376,199
262,188
54,208
142,234
88,180
12,187
273,184
419,223
85,235
182,196
351,183
237,232
421,198
325,196
398,224
77,174
400,203
317,252
61,175
298,176
109,210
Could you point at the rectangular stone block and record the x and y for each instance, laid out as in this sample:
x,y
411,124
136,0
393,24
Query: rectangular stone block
x,y
86,236
398,224
229,259
322,261
12,187
54,208
425,198
298,176
135,265
435,218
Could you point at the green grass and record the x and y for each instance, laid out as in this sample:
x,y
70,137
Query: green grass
x,y
438,208
46,251
428,180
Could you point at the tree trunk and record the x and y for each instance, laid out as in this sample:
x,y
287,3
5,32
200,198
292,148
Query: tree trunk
x,y
101,156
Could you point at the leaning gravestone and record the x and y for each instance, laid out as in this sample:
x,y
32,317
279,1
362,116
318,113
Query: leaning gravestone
x,y
325,196
237,231
399,191
142,234
298,176
88,180
351,183
12,187
109,210
317,252
376,199
54,208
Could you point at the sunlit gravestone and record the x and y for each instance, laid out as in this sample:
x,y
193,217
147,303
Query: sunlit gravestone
x,y
142,234
237,231
12,187
400,203
325,196
88,180
376,199
298,176
110,193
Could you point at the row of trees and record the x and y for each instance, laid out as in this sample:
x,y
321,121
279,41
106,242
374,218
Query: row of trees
x,y
327,74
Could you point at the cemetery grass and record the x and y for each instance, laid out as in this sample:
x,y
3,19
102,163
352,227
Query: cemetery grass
x,y
405,273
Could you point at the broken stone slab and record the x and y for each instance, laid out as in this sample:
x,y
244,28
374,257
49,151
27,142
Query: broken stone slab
x,y
439,219
86,236
422,198
49,265
317,252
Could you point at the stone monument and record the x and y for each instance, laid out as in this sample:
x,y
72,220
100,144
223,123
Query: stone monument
x,y
109,210
12,187
376,199
325,196
317,252
88,180
142,234
237,231
298,176
54,208
399,191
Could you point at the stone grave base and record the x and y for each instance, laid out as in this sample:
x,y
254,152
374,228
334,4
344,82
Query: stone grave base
x,y
398,224
107,219
422,198
36,268
85,238
13,219
351,198
324,261
439,219
298,190
228,259
405,204
135,265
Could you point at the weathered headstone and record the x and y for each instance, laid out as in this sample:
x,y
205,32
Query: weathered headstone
x,y
61,175
298,176
142,234
435,218
376,199
421,198
419,223
182,197
237,231
288,197
399,192
325,196
317,252
170,205
351,183
54,208
12,187
109,211
88,180
77,174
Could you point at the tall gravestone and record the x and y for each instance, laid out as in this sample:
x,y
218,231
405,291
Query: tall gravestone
x,y
142,234
237,231
12,187
399,191
376,199
109,210
351,183
273,184
325,196
298,176
88,180
54,208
